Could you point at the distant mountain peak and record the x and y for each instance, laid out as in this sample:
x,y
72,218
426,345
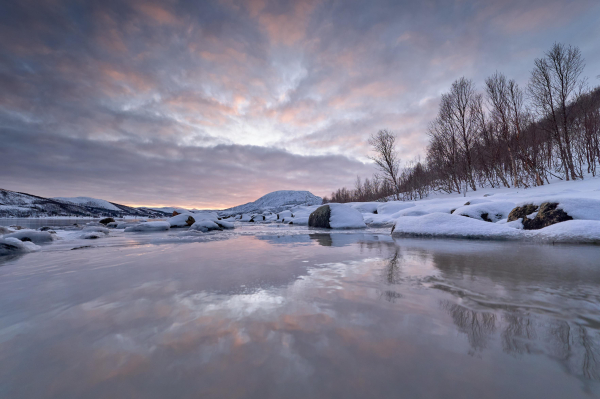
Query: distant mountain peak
x,y
277,201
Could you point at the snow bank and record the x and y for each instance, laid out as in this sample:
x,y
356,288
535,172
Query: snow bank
x,y
345,217
443,225
14,246
37,237
149,226
452,226
392,207
574,231
365,207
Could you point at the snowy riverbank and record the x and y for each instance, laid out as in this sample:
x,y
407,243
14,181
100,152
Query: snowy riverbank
x,y
561,212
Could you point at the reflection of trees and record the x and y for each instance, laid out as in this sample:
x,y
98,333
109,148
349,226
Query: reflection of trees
x,y
575,346
517,334
391,296
392,271
391,275
478,326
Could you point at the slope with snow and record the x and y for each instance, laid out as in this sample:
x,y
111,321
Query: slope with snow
x,y
16,204
87,201
276,201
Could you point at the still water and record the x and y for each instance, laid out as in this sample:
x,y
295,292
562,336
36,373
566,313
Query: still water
x,y
312,315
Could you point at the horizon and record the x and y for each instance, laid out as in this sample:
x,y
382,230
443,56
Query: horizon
x,y
214,105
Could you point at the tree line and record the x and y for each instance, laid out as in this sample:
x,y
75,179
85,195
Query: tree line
x,y
500,136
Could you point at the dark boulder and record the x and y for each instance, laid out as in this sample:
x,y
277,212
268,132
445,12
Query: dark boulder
x,y
320,217
106,221
25,239
548,215
521,212
175,213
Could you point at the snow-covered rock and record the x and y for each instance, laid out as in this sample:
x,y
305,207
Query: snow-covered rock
x,y
37,237
205,225
182,220
14,246
149,226
336,216
487,211
93,232
299,221
96,229
5,230
91,235
225,224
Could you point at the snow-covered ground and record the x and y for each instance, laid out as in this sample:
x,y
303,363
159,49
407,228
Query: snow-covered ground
x,y
480,214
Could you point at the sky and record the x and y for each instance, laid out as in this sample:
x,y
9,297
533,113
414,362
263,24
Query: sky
x,y
211,104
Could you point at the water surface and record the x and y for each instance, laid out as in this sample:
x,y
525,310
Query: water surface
x,y
271,314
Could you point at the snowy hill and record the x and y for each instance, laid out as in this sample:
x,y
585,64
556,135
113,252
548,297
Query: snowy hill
x,y
276,201
16,204
87,201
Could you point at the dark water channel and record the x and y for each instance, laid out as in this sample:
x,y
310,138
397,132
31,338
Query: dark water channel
x,y
302,316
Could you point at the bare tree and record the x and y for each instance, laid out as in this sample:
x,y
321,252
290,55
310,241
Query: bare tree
x,y
386,158
551,88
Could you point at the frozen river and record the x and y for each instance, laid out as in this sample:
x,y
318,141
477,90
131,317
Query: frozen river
x,y
271,311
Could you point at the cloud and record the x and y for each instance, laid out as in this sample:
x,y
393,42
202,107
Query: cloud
x,y
307,79
161,173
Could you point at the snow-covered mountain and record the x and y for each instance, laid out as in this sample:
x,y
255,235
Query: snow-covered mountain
x,y
87,201
16,204
276,201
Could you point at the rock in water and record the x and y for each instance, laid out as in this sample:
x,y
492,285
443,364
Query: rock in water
x,y
546,216
182,220
336,216
106,221
320,217
521,212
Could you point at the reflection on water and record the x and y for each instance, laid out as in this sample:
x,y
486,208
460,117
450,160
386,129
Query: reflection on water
x,y
310,315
